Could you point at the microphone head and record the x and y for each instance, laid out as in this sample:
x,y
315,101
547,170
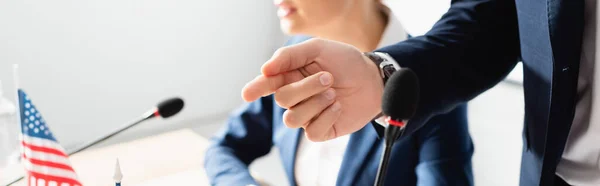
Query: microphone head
x,y
401,95
170,107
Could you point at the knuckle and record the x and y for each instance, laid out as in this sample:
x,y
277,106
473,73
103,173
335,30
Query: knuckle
x,y
318,43
312,136
281,51
323,104
281,100
272,85
327,98
288,119
315,40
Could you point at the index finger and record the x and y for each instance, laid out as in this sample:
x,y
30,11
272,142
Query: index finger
x,y
293,57
265,85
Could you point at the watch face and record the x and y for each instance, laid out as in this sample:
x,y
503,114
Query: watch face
x,y
388,70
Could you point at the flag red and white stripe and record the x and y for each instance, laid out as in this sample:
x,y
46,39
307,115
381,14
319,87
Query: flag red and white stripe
x,y
46,163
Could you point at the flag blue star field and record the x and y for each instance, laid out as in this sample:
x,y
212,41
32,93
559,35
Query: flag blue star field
x,y
45,161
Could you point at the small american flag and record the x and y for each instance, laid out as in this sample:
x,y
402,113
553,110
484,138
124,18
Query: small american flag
x,y
45,161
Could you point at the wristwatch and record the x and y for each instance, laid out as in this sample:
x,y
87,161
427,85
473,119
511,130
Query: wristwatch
x,y
387,66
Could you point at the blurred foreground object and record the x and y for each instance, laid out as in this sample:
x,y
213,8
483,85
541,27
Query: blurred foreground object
x,y
9,151
8,130
118,175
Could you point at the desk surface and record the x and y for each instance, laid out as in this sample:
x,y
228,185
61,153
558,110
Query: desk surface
x,y
176,155
190,177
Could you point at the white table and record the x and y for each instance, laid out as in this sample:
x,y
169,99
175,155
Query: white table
x,y
175,156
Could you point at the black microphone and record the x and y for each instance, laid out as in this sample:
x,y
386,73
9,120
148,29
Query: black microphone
x,y
164,109
399,103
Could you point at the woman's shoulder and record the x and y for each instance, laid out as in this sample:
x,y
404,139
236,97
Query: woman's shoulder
x,y
297,39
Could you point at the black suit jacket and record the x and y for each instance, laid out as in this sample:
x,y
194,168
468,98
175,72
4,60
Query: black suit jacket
x,y
476,44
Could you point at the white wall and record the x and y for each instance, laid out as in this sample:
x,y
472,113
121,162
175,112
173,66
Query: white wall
x,y
90,65
418,16
496,125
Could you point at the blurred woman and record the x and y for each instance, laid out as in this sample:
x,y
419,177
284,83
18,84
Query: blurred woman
x,y
437,154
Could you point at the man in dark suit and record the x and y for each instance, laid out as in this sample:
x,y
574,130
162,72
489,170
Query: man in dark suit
x,y
470,49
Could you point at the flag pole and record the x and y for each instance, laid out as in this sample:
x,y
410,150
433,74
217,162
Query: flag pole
x,y
18,101
18,106
17,87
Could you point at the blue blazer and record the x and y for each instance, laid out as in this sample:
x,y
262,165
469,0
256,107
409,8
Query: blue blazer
x,y
477,43
438,154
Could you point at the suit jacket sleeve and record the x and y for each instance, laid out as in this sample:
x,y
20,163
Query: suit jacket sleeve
x,y
246,136
469,50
